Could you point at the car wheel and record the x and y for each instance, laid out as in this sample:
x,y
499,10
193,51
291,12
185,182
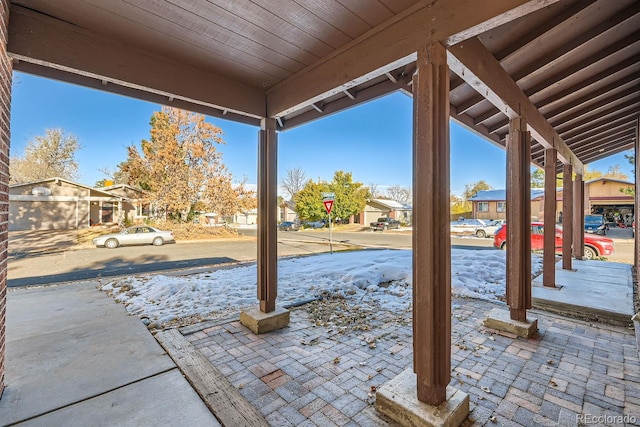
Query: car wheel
x,y
481,233
158,241
590,253
111,244
504,246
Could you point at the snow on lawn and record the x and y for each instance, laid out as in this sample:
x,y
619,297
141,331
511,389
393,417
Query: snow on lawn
x,y
377,277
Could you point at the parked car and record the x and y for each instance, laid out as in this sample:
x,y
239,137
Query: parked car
x,y
467,226
489,229
314,224
288,226
595,224
136,235
384,223
594,245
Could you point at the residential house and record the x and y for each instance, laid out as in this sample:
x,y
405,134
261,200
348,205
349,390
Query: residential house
x,y
60,204
376,208
287,211
612,198
603,196
492,204
134,206
249,217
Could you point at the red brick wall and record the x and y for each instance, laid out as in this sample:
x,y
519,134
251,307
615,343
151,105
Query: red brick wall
x,y
5,111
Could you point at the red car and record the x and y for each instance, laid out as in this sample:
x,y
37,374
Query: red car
x,y
594,245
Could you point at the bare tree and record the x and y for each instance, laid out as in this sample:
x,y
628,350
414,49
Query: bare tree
x,y
294,181
48,156
373,189
400,194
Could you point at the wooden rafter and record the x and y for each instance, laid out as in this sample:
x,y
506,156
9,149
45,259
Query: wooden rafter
x,y
37,40
473,62
390,46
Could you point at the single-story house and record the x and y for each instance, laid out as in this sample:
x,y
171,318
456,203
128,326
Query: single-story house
x,y
60,204
605,196
376,208
612,198
491,204
287,211
134,207
246,218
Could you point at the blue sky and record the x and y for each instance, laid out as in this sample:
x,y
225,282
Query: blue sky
x,y
373,140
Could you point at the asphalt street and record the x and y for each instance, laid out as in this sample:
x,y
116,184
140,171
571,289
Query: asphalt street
x,y
74,264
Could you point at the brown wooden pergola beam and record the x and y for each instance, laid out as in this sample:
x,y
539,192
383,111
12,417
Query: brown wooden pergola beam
x,y
391,45
592,110
629,108
546,26
630,81
549,248
70,51
598,128
633,64
472,61
556,56
617,48
567,216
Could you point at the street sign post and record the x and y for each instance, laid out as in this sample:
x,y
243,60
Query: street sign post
x,y
327,201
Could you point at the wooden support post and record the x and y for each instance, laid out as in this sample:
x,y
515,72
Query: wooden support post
x,y
267,216
518,220
578,217
5,137
549,245
636,200
567,215
431,237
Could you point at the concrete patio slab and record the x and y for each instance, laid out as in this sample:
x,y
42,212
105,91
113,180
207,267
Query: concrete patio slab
x,y
594,290
68,344
170,393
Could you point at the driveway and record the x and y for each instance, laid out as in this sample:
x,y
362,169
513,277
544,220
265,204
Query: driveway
x,y
41,241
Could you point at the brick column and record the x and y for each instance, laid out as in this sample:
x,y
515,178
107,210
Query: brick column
x,y
5,111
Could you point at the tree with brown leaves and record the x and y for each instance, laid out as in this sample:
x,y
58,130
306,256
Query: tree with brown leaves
x,y
180,166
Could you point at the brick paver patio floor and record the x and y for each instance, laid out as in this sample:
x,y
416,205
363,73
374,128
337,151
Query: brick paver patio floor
x,y
324,368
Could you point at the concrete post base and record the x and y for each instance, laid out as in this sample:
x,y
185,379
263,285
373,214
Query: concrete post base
x,y
501,320
398,400
260,322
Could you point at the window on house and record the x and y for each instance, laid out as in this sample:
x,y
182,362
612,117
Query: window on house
x,y
501,207
483,206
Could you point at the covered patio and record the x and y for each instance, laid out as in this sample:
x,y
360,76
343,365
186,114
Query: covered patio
x,y
554,82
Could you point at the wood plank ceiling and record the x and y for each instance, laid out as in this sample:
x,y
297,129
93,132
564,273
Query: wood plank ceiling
x,y
299,60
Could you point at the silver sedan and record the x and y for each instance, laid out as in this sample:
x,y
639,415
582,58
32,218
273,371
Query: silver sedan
x,y
136,235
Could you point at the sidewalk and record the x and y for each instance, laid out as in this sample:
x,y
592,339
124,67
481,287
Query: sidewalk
x,y
75,358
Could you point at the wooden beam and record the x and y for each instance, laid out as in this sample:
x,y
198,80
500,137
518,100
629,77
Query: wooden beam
x,y
476,65
267,216
518,292
549,245
578,217
391,45
567,216
431,240
636,200
66,49
372,92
